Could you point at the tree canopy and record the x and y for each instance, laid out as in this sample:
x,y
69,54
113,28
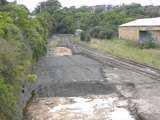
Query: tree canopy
x,y
23,40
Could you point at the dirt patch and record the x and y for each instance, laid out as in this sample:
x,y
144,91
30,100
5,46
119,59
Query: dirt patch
x,y
61,51
78,108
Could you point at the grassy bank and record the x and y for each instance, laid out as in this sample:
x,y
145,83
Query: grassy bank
x,y
128,50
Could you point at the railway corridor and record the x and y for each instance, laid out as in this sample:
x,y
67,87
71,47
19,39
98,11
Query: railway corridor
x,y
78,87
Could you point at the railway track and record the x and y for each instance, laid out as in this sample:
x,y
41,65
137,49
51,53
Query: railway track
x,y
150,72
114,62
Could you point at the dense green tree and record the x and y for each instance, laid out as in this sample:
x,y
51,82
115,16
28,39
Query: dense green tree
x,y
23,40
7,101
51,6
3,2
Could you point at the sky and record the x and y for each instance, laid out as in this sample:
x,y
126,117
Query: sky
x,y
31,4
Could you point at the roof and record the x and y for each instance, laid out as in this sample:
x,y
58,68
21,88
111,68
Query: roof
x,y
143,22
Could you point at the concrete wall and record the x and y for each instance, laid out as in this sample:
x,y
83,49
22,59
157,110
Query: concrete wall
x,y
132,33
24,96
157,36
129,33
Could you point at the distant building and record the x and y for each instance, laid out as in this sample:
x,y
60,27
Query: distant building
x,y
152,10
101,8
141,30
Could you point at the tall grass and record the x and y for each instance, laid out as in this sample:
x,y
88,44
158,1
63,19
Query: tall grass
x,y
128,50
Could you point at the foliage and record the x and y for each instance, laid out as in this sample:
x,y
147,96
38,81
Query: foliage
x,y
2,2
50,6
66,25
23,40
82,37
102,32
85,36
32,77
67,20
148,44
88,37
106,23
7,101
128,50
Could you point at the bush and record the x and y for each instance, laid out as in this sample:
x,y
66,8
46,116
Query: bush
x,y
7,101
22,41
82,37
102,32
148,45
85,36
32,77
38,44
95,31
102,35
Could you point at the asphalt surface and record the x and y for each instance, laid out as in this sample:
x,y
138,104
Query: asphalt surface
x,y
79,75
73,87
140,88
73,75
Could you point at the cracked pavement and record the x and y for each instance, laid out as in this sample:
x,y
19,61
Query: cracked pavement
x,y
65,77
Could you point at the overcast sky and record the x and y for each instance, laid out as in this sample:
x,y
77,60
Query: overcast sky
x,y
31,4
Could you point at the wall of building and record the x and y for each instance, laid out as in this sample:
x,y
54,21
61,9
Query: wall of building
x,y
157,36
129,33
132,33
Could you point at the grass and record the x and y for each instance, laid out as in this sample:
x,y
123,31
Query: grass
x,y
128,50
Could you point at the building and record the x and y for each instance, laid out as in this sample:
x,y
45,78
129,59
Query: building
x,y
141,30
152,10
104,8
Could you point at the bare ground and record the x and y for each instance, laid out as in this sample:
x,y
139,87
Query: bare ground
x,y
64,79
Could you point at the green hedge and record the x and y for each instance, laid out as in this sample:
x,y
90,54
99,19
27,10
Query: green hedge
x,y
23,40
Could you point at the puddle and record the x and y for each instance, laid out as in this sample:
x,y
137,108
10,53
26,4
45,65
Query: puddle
x,y
79,108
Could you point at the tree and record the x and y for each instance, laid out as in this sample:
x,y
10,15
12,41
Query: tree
x,y
23,40
51,6
3,2
85,36
7,101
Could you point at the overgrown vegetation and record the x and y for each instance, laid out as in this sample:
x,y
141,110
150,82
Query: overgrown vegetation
x,y
128,50
148,44
85,36
100,23
23,40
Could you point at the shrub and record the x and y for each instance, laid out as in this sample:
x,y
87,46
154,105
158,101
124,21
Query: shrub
x,y
7,101
22,40
85,36
32,77
102,32
148,44
95,31
82,37
102,35
37,43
